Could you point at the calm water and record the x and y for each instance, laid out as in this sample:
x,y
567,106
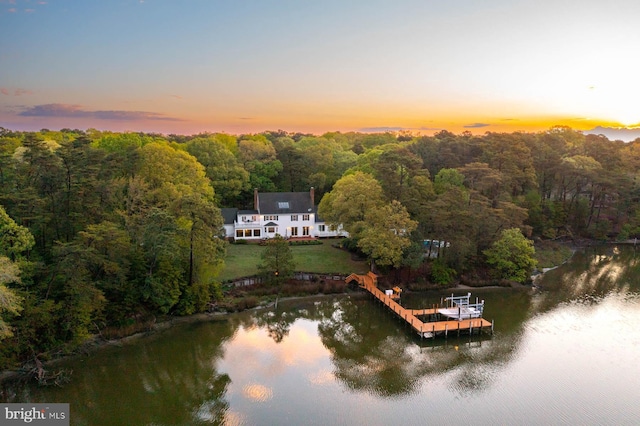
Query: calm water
x,y
569,354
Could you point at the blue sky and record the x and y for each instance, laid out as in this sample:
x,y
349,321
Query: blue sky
x,y
247,66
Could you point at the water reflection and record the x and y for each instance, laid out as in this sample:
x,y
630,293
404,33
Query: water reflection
x,y
347,360
590,276
155,379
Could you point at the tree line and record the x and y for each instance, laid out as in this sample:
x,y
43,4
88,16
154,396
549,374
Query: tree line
x,y
103,229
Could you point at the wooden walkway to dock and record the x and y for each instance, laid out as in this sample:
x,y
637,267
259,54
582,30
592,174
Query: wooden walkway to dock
x,y
410,316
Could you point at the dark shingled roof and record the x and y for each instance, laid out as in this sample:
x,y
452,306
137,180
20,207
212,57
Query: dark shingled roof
x,y
285,203
229,215
318,218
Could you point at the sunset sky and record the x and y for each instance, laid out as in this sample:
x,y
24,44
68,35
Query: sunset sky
x,y
241,66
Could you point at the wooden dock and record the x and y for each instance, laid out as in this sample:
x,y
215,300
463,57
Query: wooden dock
x,y
369,282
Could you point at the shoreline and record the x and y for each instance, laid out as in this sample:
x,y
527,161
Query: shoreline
x,y
97,343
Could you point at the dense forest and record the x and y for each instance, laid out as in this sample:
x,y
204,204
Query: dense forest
x,y
102,229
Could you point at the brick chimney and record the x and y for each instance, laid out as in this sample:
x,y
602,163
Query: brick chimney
x,y
255,199
312,193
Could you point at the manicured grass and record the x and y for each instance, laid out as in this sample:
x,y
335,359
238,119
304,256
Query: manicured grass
x,y
243,260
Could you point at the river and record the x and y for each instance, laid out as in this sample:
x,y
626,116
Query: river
x,y
568,353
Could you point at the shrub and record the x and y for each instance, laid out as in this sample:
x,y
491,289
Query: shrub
x,y
305,243
246,303
442,274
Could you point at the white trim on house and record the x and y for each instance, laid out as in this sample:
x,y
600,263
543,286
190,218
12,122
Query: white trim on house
x,y
289,214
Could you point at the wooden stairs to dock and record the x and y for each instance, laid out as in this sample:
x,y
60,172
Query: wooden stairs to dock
x,y
369,282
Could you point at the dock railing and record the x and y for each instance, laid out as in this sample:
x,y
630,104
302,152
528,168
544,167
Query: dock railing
x,y
429,328
458,300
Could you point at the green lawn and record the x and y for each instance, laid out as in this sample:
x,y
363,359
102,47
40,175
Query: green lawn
x,y
243,259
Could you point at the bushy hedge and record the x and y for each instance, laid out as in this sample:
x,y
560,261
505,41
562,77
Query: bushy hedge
x,y
305,243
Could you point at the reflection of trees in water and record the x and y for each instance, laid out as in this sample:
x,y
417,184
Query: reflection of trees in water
x,y
372,353
589,276
479,365
174,374
277,323
170,376
366,351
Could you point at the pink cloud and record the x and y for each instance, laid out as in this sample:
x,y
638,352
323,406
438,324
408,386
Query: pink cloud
x,y
12,10
16,92
77,111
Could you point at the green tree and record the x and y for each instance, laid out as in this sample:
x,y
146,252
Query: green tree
x,y
10,302
162,254
349,201
106,254
37,198
508,153
8,145
512,256
451,217
277,260
14,239
446,179
81,301
395,169
228,178
118,142
324,161
172,174
174,226
386,234
483,179
82,189
258,156
202,225
292,177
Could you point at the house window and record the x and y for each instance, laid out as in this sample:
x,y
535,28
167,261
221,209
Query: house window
x,y
294,231
247,232
256,232
305,217
305,230
294,217
272,217
254,218
321,228
271,229
239,233
283,204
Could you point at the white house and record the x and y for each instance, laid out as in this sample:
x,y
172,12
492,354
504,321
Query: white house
x,y
289,214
